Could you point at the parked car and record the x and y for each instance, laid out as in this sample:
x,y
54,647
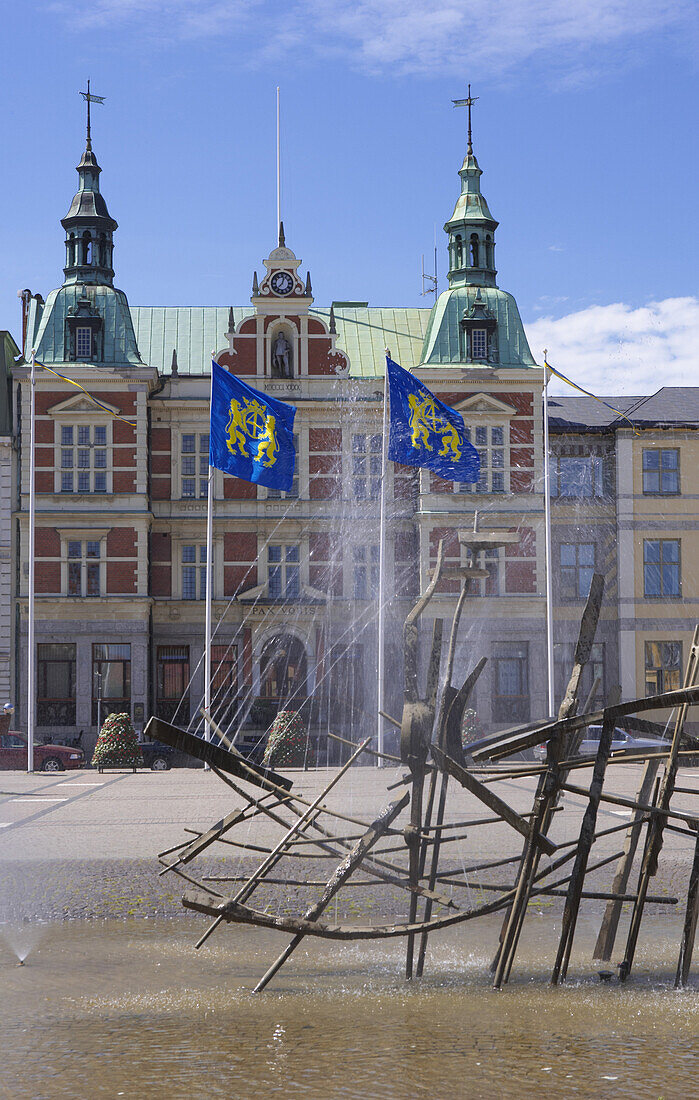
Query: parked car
x,y
157,756
621,741
47,758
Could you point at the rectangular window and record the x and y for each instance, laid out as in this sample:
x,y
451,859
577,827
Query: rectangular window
x,y
490,444
283,572
479,344
55,698
579,477
293,492
224,684
194,572
111,681
661,472
83,343
366,572
510,682
194,465
577,568
366,466
663,667
661,567
84,467
564,659
173,683
84,572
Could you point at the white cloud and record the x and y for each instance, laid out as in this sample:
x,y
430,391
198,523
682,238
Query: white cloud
x,y
618,349
416,36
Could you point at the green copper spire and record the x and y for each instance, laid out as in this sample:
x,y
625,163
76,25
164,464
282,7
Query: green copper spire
x,y
88,225
471,228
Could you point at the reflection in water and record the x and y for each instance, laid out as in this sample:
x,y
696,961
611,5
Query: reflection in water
x,y
131,1010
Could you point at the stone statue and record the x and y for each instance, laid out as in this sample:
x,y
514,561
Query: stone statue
x,y
281,357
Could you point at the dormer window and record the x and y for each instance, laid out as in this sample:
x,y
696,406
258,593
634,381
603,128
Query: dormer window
x,y
83,343
479,343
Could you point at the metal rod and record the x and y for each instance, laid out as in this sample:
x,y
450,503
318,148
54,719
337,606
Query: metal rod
x,y
32,516
547,545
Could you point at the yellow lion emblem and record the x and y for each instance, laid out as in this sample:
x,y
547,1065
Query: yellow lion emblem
x,y
425,422
235,429
267,444
251,430
451,444
419,425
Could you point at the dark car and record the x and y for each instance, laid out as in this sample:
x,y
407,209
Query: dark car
x,y
47,758
157,756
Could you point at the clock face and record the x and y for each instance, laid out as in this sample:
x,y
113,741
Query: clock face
x,y
281,282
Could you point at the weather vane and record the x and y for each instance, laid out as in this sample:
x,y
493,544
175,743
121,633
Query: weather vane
x,y
468,102
90,98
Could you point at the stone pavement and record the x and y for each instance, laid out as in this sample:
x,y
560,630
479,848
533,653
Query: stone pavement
x,y
80,843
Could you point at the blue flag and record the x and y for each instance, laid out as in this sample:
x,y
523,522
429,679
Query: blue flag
x,y
251,434
426,432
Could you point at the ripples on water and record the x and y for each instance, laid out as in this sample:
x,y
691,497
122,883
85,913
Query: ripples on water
x,y
106,1010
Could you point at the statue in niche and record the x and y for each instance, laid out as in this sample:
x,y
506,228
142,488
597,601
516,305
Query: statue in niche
x,y
281,357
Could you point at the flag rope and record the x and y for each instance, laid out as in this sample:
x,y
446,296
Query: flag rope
x,y
594,397
117,416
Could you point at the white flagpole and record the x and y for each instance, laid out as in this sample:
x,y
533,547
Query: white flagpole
x,y
209,582
279,171
382,562
547,531
30,621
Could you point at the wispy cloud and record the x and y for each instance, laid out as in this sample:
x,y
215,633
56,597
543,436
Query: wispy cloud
x,y
620,349
415,36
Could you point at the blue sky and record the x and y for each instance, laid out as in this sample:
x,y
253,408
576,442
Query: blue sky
x,y
584,129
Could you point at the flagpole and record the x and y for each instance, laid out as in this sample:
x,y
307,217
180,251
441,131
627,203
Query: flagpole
x,y
382,562
547,532
209,581
279,167
30,620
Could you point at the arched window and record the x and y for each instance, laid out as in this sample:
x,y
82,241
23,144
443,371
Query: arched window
x,y
474,250
458,251
103,250
488,251
71,250
87,248
283,670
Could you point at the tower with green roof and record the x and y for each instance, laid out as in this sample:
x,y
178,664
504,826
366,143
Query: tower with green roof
x,y
87,319
474,322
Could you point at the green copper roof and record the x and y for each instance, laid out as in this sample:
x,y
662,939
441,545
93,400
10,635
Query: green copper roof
x,y
47,324
195,331
442,342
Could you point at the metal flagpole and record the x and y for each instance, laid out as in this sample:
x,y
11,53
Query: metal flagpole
x,y
209,583
382,562
547,529
279,167
30,622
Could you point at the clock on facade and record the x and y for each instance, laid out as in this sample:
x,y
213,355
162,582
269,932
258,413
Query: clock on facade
x,y
281,282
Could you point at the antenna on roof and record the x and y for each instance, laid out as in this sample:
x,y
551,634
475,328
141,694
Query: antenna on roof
x,y
431,280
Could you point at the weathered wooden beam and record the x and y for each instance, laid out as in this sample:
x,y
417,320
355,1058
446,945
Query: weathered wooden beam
x,y
689,929
585,842
490,799
339,877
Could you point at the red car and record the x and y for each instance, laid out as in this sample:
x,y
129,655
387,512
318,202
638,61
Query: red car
x,y
47,758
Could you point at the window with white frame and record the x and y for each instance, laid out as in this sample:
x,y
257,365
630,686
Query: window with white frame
x,y
479,343
83,458
366,572
194,465
577,476
577,569
284,571
83,567
488,559
366,466
83,343
293,492
193,557
489,441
